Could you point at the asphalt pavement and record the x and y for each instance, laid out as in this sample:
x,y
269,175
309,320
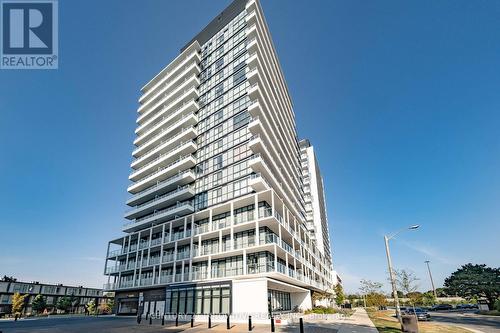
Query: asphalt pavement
x,y
467,319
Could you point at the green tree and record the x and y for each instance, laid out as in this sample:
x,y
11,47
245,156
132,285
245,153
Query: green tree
x,y
91,306
18,303
406,281
475,281
441,292
107,307
416,298
428,298
8,279
339,294
370,287
376,299
39,304
64,303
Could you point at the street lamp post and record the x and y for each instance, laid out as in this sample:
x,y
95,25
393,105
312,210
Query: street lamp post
x,y
391,271
432,281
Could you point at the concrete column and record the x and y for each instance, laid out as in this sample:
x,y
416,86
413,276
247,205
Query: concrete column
x,y
244,262
209,273
210,227
220,241
275,258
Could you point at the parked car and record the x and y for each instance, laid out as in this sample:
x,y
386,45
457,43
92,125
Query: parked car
x,y
422,314
466,306
441,307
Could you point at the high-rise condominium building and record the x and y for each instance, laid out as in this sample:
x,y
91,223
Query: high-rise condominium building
x,y
219,218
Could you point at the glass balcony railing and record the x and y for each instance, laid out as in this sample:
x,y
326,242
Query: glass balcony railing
x,y
168,257
241,243
146,282
257,268
162,211
218,273
161,197
183,255
154,260
164,167
156,241
160,157
178,175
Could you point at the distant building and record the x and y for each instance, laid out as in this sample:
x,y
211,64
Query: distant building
x,y
51,292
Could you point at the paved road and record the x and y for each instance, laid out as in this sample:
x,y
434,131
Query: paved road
x,y
128,325
487,324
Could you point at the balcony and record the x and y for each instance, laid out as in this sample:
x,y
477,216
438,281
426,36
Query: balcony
x,y
115,269
183,255
162,155
190,54
167,258
166,279
259,166
159,142
146,282
258,182
188,71
161,129
181,209
187,90
170,183
183,163
154,261
180,194
174,140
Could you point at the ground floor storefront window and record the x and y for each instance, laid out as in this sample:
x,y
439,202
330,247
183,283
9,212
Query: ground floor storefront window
x,y
214,299
128,306
279,300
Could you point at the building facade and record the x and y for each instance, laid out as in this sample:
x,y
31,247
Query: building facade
x,y
51,292
218,221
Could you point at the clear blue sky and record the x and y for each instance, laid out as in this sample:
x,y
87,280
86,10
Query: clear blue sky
x,y
401,100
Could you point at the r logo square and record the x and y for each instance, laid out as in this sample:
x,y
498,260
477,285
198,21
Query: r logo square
x,y
29,34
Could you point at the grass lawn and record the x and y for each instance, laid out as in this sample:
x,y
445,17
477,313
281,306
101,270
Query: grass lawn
x,y
490,313
385,323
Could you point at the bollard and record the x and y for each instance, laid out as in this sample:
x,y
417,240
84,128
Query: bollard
x,y
301,325
209,320
272,324
249,323
192,320
150,320
228,324
176,319
163,320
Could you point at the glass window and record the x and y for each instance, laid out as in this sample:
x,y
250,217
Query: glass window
x,y
217,162
219,63
206,301
199,302
218,116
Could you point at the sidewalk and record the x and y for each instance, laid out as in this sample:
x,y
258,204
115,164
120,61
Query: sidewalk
x,y
359,322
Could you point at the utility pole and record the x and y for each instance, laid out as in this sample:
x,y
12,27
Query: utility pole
x,y
391,271
432,281
393,280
